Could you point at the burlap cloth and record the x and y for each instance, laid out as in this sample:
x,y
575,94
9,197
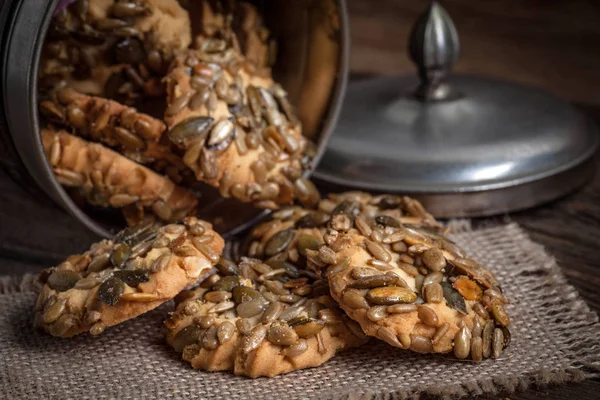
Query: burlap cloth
x,y
555,338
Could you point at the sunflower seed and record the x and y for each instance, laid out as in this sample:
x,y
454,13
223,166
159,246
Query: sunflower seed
x,y
178,104
462,343
222,132
354,299
222,306
440,332
55,311
428,316
189,129
255,338
296,349
388,336
434,293
391,295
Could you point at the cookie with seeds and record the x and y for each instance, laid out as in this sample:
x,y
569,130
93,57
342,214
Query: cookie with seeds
x,y
120,47
390,267
116,280
108,179
276,323
238,130
134,134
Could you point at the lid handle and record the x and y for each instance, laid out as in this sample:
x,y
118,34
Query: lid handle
x,y
434,47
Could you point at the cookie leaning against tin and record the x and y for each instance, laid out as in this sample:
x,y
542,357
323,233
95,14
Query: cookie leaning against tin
x,y
113,48
117,280
278,323
108,179
238,130
134,134
391,269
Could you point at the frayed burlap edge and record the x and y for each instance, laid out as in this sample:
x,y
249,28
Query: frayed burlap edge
x,y
580,335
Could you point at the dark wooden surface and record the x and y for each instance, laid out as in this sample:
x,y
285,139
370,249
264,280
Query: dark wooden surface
x,y
554,45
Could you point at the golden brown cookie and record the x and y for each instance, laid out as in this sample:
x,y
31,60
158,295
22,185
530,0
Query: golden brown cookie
x,y
239,131
108,179
134,134
392,270
277,323
117,280
122,47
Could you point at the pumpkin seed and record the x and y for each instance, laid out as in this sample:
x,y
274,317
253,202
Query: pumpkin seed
x,y
255,338
296,349
307,242
291,313
272,312
227,267
189,129
281,334
226,283
307,327
278,242
120,254
252,307
111,290
453,298
187,336
62,280
387,220
55,311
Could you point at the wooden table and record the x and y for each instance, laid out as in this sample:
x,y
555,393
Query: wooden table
x,y
548,44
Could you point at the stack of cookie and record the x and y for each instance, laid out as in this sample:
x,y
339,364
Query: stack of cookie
x,y
319,276
141,99
309,282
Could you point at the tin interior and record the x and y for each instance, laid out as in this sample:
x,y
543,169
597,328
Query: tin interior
x,y
311,64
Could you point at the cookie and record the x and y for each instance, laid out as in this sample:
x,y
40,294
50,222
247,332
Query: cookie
x,y
119,279
237,21
391,269
121,46
279,322
108,179
239,131
135,135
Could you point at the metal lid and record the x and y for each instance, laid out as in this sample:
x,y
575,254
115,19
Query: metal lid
x,y
454,138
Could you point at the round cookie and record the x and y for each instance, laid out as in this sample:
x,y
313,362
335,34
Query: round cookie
x,y
238,130
118,280
391,269
276,323
108,179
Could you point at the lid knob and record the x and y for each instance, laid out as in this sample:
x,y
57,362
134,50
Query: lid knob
x,y
434,47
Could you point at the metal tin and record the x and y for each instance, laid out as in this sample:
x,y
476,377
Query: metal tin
x,y
313,39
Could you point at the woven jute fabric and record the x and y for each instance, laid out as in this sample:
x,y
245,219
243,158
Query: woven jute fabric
x,y
555,338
